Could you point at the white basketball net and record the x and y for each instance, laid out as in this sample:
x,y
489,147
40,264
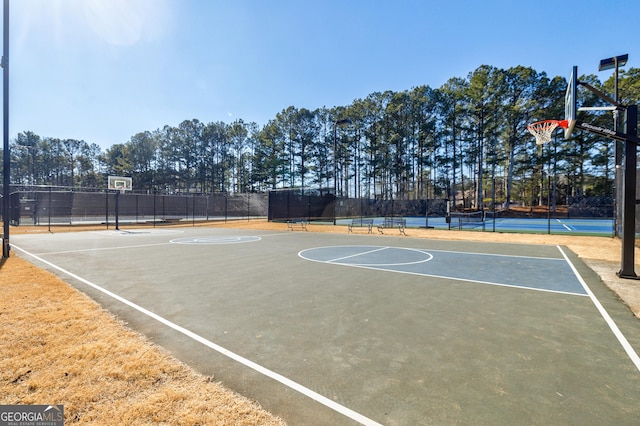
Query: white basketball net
x,y
542,130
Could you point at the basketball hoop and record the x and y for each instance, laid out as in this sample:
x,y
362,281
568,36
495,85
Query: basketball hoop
x,y
542,130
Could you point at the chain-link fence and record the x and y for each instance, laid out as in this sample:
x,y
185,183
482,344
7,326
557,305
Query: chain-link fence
x,y
54,207
321,205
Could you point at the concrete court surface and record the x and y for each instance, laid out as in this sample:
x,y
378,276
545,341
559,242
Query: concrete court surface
x,y
366,329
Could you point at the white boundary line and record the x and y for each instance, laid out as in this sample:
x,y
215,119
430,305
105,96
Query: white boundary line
x,y
138,232
347,412
605,315
216,240
495,254
467,280
559,259
96,249
567,227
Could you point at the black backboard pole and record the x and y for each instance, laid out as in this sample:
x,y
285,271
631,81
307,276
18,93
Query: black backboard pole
x,y
631,141
6,163
629,136
629,194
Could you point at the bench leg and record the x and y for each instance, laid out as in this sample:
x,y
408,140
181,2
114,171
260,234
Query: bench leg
x,y
293,225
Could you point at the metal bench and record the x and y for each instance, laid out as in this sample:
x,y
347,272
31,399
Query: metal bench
x,y
393,222
361,223
294,224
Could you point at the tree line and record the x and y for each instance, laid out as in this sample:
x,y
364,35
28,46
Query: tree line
x,y
465,141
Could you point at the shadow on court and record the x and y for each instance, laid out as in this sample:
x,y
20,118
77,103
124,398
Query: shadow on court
x,y
342,329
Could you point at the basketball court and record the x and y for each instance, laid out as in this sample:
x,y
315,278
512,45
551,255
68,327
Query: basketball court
x,y
367,329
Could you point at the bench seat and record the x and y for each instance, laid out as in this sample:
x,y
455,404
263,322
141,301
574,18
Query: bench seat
x,y
361,223
301,224
393,222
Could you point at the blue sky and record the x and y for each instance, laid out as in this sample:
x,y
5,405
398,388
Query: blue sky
x,y
104,70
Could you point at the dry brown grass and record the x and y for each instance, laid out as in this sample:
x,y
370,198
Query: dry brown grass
x,y
60,347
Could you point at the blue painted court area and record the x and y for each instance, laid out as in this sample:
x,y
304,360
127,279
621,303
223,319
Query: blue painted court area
x,y
479,268
596,227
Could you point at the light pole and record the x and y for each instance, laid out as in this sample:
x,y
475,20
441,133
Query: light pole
x,y
615,63
341,123
6,164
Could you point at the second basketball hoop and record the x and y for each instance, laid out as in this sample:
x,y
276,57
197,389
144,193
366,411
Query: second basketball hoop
x,y
543,130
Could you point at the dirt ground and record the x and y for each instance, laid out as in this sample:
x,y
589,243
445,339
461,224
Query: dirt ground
x,y
60,347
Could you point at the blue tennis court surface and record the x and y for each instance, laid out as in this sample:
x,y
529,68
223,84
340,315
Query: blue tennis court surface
x,y
599,227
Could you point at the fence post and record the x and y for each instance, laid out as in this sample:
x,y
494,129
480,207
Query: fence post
x,y
155,194
117,210
49,208
106,192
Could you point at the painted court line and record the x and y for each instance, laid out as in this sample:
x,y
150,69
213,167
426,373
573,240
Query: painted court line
x,y
355,255
139,232
340,260
565,226
467,280
605,315
516,256
224,239
427,257
347,412
388,267
99,249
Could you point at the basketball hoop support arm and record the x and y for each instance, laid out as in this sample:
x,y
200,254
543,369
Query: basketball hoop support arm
x,y
631,141
602,95
612,134
607,133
